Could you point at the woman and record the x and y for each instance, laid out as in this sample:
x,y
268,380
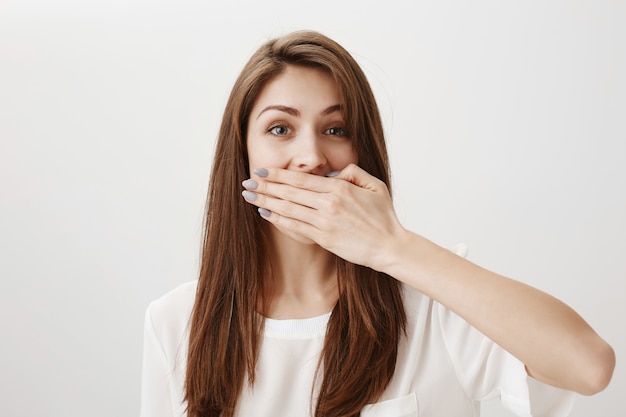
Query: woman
x,y
313,299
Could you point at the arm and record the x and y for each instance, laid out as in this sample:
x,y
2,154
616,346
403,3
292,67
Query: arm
x,y
557,346
352,216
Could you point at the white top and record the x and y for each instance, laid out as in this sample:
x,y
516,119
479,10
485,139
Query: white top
x,y
445,367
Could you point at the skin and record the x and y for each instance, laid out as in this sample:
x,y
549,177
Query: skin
x,y
351,215
296,124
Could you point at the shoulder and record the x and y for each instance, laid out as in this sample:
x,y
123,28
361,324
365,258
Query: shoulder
x,y
176,301
416,303
169,314
426,315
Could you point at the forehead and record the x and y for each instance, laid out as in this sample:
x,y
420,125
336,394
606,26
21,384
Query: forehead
x,y
299,87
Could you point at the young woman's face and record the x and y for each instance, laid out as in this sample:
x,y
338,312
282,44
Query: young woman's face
x,y
297,124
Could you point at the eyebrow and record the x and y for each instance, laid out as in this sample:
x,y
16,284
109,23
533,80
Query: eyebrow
x,y
294,112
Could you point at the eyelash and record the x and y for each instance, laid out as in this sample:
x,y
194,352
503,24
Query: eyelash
x,y
339,131
272,129
344,132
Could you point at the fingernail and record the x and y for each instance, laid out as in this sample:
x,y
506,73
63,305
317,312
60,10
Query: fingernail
x,y
264,212
250,184
332,174
248,195
261,172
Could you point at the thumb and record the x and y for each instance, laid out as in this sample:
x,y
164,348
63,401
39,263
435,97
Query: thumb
x,y
359,177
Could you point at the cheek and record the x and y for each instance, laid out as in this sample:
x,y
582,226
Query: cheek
x,y
344,156
354,158
263,155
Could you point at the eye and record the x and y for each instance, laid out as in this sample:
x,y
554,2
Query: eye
x,y
279,130
336,131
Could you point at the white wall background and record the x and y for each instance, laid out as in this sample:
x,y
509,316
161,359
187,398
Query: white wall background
x,y
506,124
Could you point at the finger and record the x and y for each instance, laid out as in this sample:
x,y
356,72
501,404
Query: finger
x,y
294,178
284,192
282,207
290,224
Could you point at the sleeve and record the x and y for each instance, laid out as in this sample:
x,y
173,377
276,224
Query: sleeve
x,y
485,370
156,398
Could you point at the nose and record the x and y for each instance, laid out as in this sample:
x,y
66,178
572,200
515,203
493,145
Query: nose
x,y
308,153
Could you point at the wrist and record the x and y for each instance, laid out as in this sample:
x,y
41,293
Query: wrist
x,y
394,253
418,262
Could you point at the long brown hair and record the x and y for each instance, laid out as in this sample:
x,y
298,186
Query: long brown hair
x,y
366,324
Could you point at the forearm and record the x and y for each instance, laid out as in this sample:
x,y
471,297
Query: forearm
x,y
553,341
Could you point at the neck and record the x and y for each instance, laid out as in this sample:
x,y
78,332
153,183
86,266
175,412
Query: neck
x,y
301,279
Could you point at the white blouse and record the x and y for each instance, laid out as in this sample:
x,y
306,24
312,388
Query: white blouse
x,y
445,367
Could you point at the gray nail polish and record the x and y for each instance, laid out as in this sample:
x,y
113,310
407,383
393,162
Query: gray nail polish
x,y
264,212
250,184
248,195
261,172
332,174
